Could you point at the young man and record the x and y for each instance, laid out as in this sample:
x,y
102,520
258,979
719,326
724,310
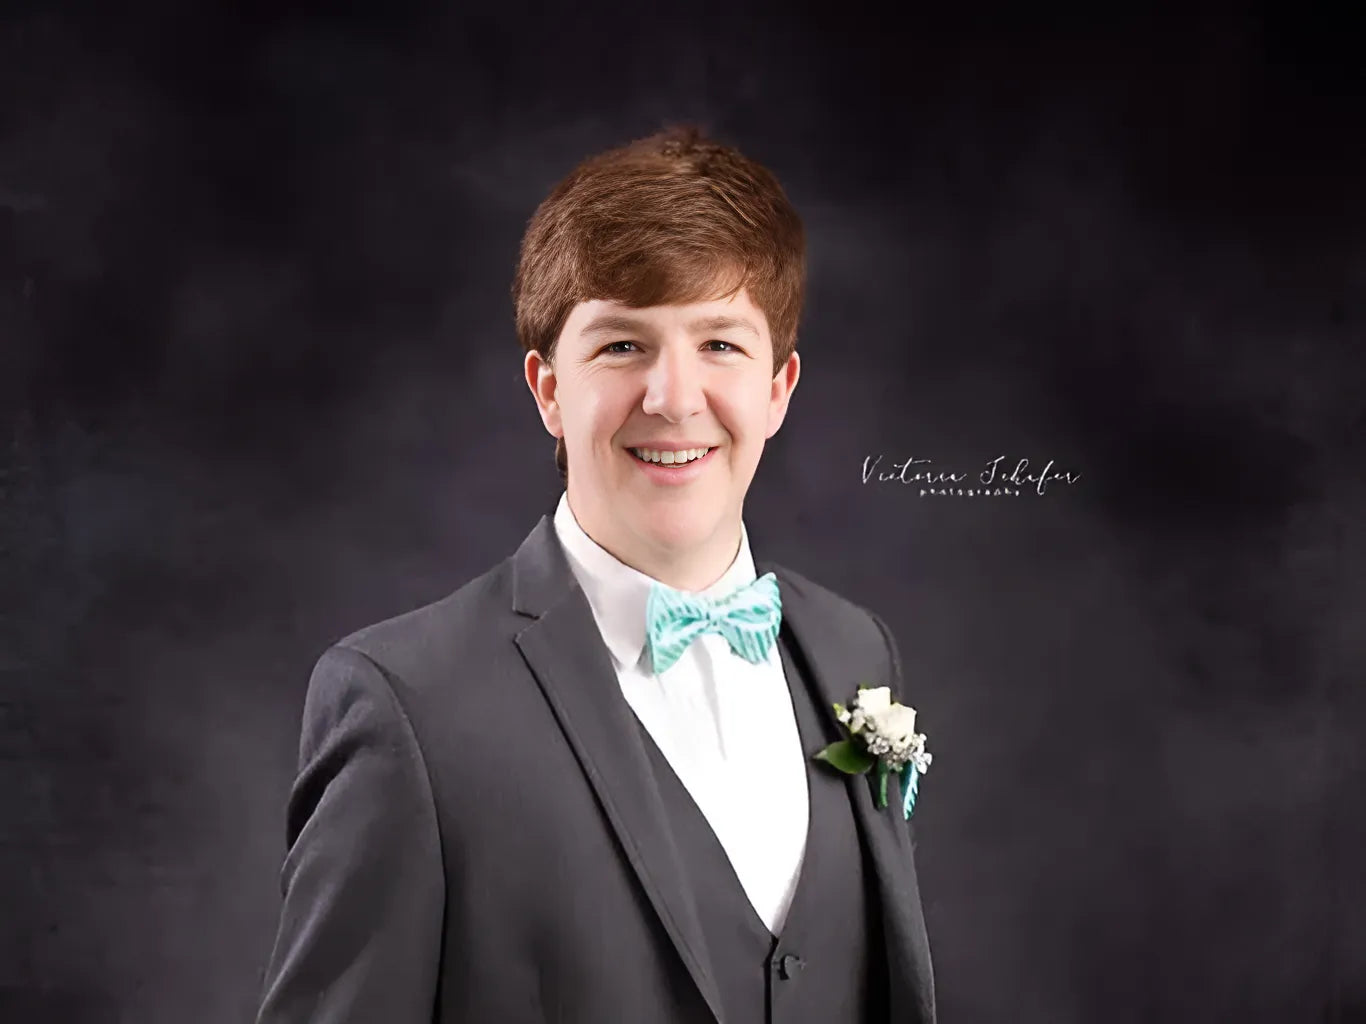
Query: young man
x,y
582,787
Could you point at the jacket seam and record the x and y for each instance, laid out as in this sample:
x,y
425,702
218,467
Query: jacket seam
x,y
387,677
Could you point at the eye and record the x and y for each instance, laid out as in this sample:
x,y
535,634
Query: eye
x,y
611,347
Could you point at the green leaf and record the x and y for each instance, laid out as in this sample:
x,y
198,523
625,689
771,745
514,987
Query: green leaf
x,y
848,757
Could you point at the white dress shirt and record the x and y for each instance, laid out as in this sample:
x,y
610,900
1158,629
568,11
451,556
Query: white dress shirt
x,y
726,725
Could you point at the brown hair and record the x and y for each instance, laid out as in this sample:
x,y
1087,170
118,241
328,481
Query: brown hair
x,y
669,219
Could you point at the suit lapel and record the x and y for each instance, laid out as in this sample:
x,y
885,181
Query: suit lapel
x,y
571,664
812,632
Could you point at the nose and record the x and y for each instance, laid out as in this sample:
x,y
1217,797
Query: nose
x,y
673,386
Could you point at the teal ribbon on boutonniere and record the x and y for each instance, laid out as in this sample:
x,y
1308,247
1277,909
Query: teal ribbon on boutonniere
x,y
882,734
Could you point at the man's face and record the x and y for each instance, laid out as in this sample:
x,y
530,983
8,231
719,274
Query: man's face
x,y
667,378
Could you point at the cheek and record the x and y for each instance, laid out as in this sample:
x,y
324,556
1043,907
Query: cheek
x,y
581,423
604,414
745,418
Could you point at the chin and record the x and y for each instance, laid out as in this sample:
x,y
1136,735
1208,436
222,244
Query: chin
x,y
682,529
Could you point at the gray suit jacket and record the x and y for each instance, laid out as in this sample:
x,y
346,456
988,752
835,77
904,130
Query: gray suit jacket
x,y
474,835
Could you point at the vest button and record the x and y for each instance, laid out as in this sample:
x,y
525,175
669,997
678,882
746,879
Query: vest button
x,y
789,965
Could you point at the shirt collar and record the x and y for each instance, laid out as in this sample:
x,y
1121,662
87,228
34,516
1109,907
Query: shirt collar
x,y
617,593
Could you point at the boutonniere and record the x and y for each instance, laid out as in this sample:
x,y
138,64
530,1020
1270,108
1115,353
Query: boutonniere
x,y
881,732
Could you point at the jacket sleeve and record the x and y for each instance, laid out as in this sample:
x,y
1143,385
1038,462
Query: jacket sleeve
x,y
361,923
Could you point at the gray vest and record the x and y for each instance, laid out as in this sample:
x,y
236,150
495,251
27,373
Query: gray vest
x,y
829,964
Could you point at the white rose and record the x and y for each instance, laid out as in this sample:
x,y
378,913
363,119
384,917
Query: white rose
x,y
875,700
897,723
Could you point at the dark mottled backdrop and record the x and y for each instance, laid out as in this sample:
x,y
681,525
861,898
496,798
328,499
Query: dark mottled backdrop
x,y
261,387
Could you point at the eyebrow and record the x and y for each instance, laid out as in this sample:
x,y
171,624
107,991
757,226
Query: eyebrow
x,y
614,323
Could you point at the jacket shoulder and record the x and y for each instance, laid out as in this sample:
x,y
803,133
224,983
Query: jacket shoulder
x,y
862,622
454,630
862,626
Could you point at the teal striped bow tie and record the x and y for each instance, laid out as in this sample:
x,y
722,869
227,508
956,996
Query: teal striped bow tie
x,y
748,618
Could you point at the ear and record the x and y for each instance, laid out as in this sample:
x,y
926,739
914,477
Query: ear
x,y
540,378
784,382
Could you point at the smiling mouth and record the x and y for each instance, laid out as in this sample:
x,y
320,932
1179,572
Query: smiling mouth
x,y
634,453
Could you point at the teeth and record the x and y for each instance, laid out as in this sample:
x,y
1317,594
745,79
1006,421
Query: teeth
x,y
669,458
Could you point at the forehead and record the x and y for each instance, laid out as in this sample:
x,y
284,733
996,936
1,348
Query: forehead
x,y
598,317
